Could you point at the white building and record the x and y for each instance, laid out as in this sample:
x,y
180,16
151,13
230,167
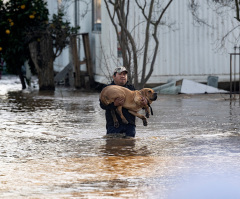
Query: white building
x,y
187,49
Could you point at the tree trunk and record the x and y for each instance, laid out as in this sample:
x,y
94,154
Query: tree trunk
x,y
43,57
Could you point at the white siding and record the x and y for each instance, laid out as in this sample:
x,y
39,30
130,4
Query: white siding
x,y
106,49
62,60
188,50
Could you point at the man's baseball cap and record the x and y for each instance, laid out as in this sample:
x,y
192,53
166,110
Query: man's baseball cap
x,y
120,69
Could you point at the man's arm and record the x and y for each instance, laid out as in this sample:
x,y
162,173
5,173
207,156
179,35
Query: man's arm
x,y
117,102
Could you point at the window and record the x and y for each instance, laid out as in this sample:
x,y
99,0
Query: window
x,y
96,15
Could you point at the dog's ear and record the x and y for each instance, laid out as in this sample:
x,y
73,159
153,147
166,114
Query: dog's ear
x,y
144,92
147,92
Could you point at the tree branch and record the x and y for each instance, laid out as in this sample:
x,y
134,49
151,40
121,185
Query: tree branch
x,y
237,10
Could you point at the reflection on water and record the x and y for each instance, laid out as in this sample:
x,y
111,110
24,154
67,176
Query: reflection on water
x,y
53,145
20,101
123,147
119,147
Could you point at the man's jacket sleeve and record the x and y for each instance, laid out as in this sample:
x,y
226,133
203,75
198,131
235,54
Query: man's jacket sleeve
x,y
108,107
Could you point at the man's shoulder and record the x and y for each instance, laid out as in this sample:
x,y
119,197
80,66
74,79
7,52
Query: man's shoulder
x,y
105,85
130,86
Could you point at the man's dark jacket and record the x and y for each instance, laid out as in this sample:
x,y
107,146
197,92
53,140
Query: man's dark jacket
x,y
130,118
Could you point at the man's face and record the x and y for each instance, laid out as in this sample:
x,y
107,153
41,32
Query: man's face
x,y
120,78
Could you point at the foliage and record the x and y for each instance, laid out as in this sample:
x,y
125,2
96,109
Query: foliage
x,y
24,21
18,18
60,31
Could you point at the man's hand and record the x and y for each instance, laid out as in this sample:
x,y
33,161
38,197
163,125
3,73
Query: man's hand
x,y
144,101
119,101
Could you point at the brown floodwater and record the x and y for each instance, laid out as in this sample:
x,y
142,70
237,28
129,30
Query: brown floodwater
x,y
53,145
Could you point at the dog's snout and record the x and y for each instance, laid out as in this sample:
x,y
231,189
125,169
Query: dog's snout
x,y
154,96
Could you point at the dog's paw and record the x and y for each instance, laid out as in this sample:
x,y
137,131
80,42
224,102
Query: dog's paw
x,y
125,121
147,115
145,123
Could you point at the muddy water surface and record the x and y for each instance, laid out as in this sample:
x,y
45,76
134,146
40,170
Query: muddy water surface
x,y
53,145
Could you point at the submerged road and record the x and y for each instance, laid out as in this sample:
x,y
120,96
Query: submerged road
x,y
53,145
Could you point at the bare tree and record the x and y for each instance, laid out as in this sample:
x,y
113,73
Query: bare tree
x,y
152,12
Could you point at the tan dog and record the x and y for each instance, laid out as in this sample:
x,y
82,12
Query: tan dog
x,y
132,101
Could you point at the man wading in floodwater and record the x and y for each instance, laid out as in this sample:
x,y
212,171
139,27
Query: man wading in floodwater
x,y
120,78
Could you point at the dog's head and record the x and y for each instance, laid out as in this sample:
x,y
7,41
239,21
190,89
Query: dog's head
x,y
149,94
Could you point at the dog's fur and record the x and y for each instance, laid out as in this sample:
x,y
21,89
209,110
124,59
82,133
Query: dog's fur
x,y
132,101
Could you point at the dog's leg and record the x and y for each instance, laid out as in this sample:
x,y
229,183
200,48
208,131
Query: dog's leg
x,y
147,111
144,119
115,120
119,111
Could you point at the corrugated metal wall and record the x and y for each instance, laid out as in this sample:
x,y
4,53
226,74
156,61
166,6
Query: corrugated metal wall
x,y
187,50
190,51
